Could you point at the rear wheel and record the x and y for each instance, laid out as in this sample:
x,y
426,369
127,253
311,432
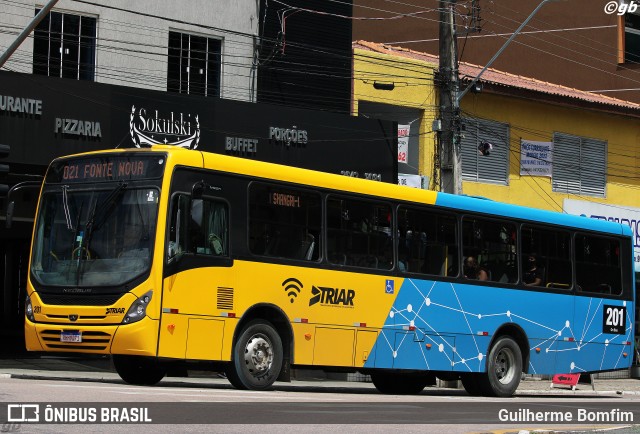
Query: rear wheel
x,y
504,369
140,371
257,357
471,383
401,384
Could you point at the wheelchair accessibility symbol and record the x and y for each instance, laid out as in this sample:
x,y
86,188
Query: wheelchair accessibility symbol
x,y
389,286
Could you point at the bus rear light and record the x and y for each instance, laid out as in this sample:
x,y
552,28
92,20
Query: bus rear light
x,y
228,314
483,333
569,339
301,320
360,324
410,328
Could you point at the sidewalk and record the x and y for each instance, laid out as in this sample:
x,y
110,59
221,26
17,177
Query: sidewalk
x,y
99,369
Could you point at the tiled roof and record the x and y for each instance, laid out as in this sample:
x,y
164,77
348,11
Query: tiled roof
x,y
500,78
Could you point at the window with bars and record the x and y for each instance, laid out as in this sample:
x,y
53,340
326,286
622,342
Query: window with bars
x,y
579,165
194,65
64,45
492,168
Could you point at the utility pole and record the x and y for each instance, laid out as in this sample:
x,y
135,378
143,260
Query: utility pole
x,y
450,160
26,31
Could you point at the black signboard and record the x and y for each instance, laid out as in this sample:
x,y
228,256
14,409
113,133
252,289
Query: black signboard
x,y
42,118
106,168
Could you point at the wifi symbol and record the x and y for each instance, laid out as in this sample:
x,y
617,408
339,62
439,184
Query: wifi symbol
x,y
290,286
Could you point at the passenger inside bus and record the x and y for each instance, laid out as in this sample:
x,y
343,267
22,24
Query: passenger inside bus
x,y
472,270
534,274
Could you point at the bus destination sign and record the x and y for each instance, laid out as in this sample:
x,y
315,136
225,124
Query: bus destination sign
x,y
106,168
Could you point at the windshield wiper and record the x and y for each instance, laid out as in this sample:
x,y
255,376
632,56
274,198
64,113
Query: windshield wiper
x,y
65,207
102,211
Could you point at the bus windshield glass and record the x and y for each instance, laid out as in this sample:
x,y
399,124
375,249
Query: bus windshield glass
x,y
94,234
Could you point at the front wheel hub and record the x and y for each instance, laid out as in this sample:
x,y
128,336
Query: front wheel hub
x,y
258,355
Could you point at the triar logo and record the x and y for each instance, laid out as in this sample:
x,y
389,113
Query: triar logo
x,y
332,296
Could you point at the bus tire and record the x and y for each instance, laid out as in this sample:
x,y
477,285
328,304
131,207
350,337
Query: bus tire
x,y
471,383
504,369
257,357
139,371
401,384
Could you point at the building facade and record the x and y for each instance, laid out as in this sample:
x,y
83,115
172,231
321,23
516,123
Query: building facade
x,y
195,47
582,45
123,74
551,146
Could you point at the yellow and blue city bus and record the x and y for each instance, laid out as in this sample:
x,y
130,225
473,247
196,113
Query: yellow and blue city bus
x,y
165,255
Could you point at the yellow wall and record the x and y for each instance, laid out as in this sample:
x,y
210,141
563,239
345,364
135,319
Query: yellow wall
x,y
413,88
527,119
532,120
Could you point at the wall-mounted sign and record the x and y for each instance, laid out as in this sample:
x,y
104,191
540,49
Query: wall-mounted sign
x,y
78,127
288,136
403,143
415,181
42,118
154,128
20,105
536,158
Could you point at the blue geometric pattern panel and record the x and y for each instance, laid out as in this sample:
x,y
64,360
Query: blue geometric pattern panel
x,y
448,326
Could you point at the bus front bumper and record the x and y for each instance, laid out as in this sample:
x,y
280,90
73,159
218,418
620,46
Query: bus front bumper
x,y
139,338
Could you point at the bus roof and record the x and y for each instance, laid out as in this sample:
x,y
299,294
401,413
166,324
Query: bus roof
x,y
297,175
532,214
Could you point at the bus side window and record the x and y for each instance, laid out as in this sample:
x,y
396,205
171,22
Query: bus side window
x,y
178,226
492,244
598,265
551,249
359,233
284,222
428,242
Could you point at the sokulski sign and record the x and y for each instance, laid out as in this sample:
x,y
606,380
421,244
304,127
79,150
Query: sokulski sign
x,y
43,118
153,127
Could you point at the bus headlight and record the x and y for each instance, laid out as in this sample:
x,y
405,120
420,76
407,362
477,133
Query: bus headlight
x,y
138,309
28,309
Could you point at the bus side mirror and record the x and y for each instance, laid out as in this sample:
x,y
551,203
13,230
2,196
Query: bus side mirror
x,y
197,208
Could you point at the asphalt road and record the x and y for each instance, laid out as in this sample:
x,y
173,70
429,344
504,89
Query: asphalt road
x,y
210,404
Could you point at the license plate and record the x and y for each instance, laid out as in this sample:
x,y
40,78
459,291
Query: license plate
x,y
72,336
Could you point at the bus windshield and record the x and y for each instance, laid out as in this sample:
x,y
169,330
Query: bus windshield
x,y
97,235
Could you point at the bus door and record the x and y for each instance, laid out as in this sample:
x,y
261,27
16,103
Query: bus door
x,y
198,279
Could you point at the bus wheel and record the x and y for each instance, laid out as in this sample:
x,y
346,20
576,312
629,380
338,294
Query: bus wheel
x,y
401,384
141,371
504,369
257,357
471,383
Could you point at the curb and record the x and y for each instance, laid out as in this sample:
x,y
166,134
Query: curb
x,y
319,384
